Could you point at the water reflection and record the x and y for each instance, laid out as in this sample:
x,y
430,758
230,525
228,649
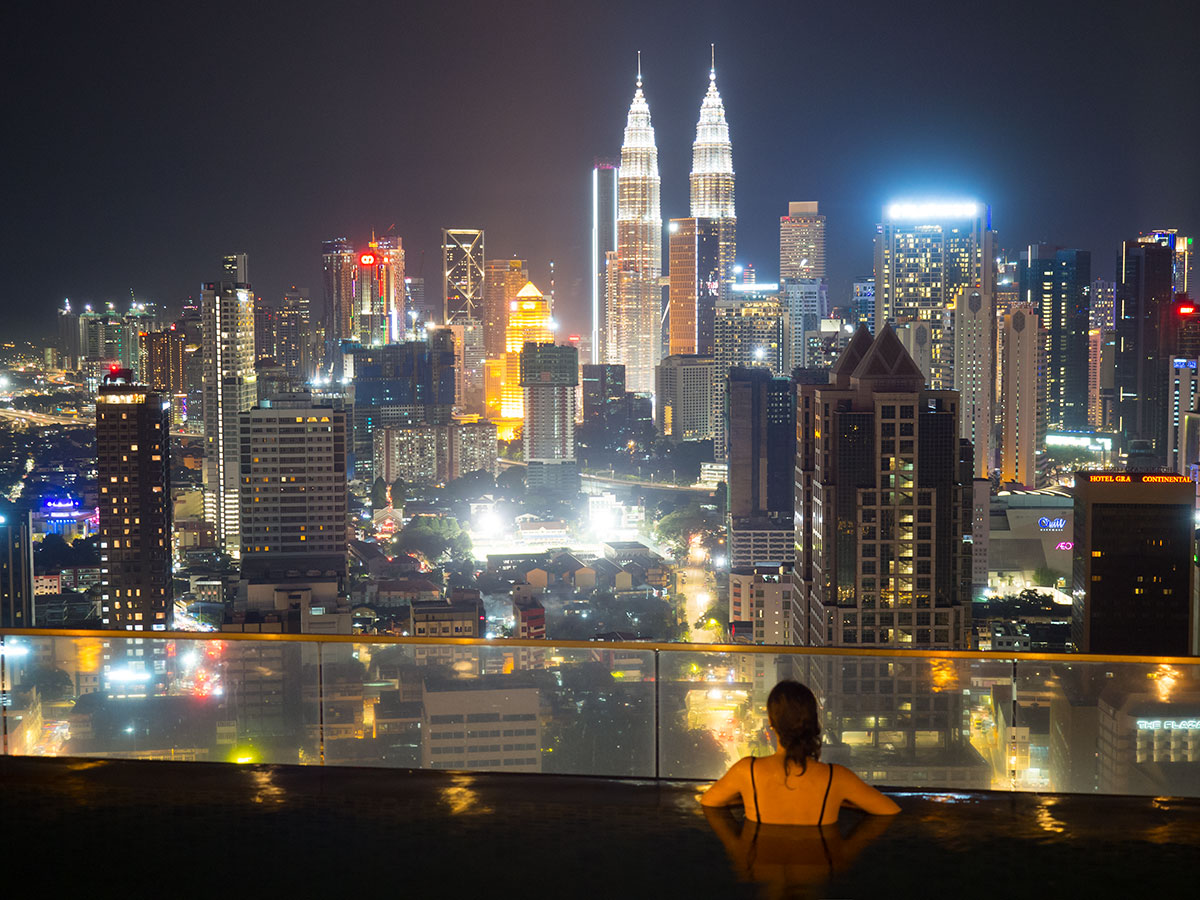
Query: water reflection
x,y
788,858
462,799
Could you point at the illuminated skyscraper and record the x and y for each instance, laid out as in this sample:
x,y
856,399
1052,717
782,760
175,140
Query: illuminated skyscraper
x,y
162,360
634,333
502,279
749,330
230,388
378,291
462,274
604,241
337,261
528,321
1022,370
1183,259
133,473
293,336
548,376
802,242
695,275
712,180
925,254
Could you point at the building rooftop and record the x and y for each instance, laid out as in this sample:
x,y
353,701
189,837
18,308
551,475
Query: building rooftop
x,y
497,835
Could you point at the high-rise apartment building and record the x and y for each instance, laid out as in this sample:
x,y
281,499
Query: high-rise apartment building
x,y
16,571
433,454
549,375
762,596
502,280
974,374
293,336
293,488
802,242
230,388
1144,308
883,502
338,264
1103,312
712,195
1134,573
761,427
683,409
462,274
926,255
1059,284
529,320
604,241
162,361
1182,257
603,393
696,272
1023,382
264,330
133,472
1183,385
634,338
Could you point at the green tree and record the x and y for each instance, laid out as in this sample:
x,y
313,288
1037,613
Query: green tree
x,y
435,538
1044,576
379,494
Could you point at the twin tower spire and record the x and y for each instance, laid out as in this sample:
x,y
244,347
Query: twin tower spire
x,y
634,317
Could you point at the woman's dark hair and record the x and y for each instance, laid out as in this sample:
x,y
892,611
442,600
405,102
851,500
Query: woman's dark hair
x,y
792,710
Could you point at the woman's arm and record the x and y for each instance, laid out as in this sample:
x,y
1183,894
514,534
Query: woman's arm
x,y
858,793
729,788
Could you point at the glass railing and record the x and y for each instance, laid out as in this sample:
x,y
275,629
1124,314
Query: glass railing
x,y
917,719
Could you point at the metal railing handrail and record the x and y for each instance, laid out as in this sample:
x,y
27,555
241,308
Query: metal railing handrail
x,y
643,646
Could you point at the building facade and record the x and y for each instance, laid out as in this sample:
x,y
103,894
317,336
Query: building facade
x,y
1022,373
502,280
549,376
462,274
683,408
802,242
604,241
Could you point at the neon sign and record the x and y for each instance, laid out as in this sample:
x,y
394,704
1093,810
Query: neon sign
x,y
1065,545
367,259
1184,363
1168,724
1047,524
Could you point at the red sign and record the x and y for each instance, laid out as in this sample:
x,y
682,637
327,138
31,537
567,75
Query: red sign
x,y
1187,309
367,259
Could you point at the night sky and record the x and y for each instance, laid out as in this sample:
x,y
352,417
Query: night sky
x,y
145,141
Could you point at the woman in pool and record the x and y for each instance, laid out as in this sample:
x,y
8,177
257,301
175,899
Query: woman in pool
x,y
792,787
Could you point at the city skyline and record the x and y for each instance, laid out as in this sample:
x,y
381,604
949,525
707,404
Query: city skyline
x,y
127,160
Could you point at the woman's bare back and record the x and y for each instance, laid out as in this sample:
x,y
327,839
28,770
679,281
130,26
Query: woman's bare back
x,y
791,797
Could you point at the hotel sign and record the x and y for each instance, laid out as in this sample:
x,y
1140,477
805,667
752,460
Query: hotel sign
x,y
1168,724
1137,478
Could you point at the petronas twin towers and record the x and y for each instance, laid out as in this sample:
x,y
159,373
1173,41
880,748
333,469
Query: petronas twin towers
x,y
635,269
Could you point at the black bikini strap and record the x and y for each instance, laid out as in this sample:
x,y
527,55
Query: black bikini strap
x,y
754,788
821,819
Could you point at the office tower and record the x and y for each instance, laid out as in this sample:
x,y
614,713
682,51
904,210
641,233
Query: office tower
x,y
1102,313
1182,258
398,384
230,388
604,241
1144,305
293,488
548,376
133,472
806,302
974,375
695,284
926,254
1095,368
162,355
823,346
761,416
529,319
883,494
191,326
1023,381
683,393
712,194
338,264
468,365
1059,284
603,392
749,330
421,307
863,301
16,571
235,267
462,274
802,242
634,338
293,336
502,281
377,291
1134,573
264,330
1183,386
